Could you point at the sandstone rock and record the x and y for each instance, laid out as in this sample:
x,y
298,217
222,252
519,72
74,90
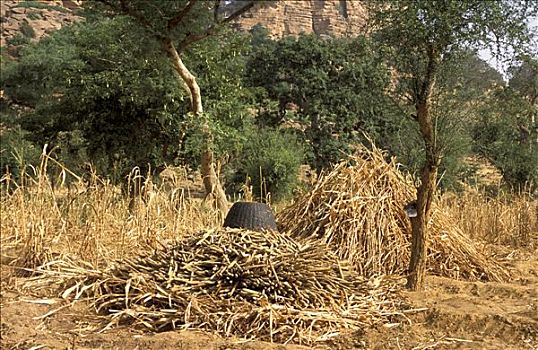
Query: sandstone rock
x,y
291,17
49,19
70,4
286,17
10,26
18,10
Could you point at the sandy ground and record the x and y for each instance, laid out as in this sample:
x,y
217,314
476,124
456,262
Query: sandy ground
x,y
450,315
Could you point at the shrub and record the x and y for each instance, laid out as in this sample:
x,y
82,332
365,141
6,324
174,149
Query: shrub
x,y
270,159
18,39
16,154
506,135
27,30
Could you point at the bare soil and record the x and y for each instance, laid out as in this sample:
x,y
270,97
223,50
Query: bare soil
x,y
449,314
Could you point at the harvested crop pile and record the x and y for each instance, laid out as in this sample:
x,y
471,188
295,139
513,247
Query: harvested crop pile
x,y
357,209
260,285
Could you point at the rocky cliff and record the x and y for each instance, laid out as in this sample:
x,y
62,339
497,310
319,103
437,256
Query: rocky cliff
x,y
23,21
291,17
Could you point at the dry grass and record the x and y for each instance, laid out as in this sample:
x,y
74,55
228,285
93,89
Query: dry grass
x,y
91,220
357,209
510,219
89,239
162,264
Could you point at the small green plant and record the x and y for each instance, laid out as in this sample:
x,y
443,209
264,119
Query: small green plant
x,y
27,30
270,160
34,15
18,39
16,153
40,5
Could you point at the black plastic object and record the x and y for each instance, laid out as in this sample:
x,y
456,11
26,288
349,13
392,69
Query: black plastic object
x,y
251,215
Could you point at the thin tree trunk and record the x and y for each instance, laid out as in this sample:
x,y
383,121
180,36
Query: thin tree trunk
x,y
427,188
211,181
419,224
425,195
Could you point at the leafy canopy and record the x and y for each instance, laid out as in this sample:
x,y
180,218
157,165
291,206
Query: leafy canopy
x,y
331,89
103,93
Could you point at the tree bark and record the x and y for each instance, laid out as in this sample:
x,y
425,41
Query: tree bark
x,y
427,188
212,185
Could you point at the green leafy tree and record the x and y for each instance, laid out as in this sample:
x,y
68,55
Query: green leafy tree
x,y
464,84
422,35
524,78
270,160
95,98
507,135
333,90
175,26
116,103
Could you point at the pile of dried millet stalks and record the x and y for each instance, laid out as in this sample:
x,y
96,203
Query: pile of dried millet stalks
x,y
255,285
358,209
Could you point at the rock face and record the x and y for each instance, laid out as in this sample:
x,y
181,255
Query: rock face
x,y
31,20
292,17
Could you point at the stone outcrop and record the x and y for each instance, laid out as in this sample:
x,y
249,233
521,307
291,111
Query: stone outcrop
x,y
33,19
292,17
280,17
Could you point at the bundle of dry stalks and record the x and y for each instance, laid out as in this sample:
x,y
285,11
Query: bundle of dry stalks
x,y
358,209
260,285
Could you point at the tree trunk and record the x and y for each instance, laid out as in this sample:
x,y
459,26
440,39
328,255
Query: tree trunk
x,y
419,224
427,188
212,185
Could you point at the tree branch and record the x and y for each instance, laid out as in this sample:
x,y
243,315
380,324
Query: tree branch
x,y
174,21
431,70
126,10
129,11
216,11
192,38
237,13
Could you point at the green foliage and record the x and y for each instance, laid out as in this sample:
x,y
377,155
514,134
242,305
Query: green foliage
x,y
431,46
524,78
411,28
16,153
34,15
40,5
507,134
332,90
102,92
27,30
181,20
270,159
219,66
18,39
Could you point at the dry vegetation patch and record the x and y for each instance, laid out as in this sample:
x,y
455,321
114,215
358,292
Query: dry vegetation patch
x,y
254,285
93,244
358,209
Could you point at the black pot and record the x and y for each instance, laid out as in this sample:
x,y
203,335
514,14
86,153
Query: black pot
x,y
251,215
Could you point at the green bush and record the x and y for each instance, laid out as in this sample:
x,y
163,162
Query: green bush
x,y
34,15
16,154
18,39
270,159
27,30
506,135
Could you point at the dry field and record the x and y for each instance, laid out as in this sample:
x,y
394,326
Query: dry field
x,y
71,235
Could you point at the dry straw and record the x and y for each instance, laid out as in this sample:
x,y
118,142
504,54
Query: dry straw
x,y
261,285
357,209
